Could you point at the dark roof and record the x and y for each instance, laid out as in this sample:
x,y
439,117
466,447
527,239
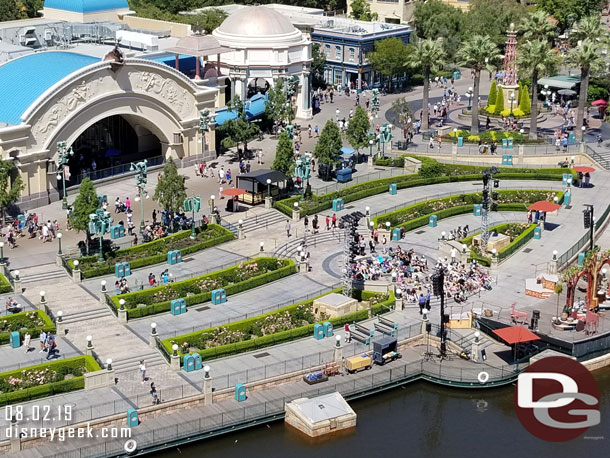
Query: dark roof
x,y
263,175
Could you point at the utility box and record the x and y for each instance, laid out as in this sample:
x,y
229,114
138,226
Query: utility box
x,y
338,204
433,221
392,189
178,306
15,339
219,296
358,362
174,257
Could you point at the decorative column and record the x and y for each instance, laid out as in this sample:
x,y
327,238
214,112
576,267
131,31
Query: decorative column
x,y
509,81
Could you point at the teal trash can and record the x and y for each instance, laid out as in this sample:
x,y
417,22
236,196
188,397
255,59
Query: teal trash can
x,y
581,259
457,75
318,331
15,339
432,222
392,189
460,142
572,138
564,179
396,234
537,233
327,327
504,143
240,392
476,211
510,143
132,418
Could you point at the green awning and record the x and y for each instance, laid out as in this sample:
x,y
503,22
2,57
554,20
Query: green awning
x,y
559,81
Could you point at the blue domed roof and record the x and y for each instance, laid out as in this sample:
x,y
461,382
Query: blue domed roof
x,y
86,6
26,78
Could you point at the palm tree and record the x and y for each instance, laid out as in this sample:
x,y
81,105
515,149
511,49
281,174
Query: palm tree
x,y
537,26
587,28
585,56
537,59
427,55
478,52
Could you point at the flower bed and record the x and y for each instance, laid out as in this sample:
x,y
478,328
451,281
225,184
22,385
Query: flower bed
x,y
32,322
283,325
432,172
46,379
417,215
493,135
519,233
196,290
5,285
154,252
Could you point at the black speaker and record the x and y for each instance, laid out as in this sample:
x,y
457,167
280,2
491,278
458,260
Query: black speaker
x,y
483,354
445,318
428,327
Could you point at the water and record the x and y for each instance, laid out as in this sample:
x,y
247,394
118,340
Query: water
x,y
418,420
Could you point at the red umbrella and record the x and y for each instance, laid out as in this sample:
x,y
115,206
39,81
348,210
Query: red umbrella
x,y
599,102
584,169
516,334
544,206
233,192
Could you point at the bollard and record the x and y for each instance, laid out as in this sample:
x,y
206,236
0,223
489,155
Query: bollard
x,y
152,338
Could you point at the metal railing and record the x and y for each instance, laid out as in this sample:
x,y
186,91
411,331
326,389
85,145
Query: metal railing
x,y
385,173
603,161
111,171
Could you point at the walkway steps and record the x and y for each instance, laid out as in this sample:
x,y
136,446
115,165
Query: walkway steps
x,y
289,249
41,274
132,363
262,220
86,315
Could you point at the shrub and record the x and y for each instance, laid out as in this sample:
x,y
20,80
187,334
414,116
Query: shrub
x,y
499,106
520,234
5,285
154,252
245,335
25,322
445,173
44,380
417,215
233,279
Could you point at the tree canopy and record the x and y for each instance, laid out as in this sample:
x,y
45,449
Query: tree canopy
x,y
358,129
389,57
238,130
566,12
86,202
171,188
278,106
11,185
328,148
318,65
206,21
361,10
434,19
284,155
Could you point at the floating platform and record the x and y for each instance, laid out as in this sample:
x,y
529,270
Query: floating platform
x,y
322,415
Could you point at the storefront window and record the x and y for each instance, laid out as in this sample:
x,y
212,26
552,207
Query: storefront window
x,y
352,54
338,52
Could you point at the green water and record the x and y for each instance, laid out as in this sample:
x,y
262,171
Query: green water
x,y
418,420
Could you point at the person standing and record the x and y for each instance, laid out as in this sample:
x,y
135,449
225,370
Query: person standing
x,y
348,334
453,255
306,223
127,204
287,228
52,346
327,222
142,371
334,220
154,216
45,233
422,303
154,394
26,341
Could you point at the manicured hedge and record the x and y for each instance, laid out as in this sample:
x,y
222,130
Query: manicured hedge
x,y
5,285
513,246
278,337
34,331
50,389
432,172
154,252
396,218
182,288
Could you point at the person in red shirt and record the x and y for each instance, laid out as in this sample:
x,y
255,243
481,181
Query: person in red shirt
x,y
334,220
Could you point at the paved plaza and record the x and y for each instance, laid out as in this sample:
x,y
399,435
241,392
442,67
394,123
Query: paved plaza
x,y
127,344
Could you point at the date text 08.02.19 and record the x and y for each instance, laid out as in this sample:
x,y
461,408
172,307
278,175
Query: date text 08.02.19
x,y
38,412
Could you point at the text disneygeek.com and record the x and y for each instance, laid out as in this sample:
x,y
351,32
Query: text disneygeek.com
x,y
60,434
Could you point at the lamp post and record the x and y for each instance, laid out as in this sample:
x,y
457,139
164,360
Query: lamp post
x,y
99,223
63,155
545,93
140,168
192,204
1,252
371,143
582,139
469,94
205,118
268,187
262,245
455,135
59,236
212,197
512,99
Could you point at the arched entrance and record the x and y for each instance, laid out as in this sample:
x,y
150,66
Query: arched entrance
x,y
105,147
257,85
228,90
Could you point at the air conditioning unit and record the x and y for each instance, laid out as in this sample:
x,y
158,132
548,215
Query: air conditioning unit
x,y
48,35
